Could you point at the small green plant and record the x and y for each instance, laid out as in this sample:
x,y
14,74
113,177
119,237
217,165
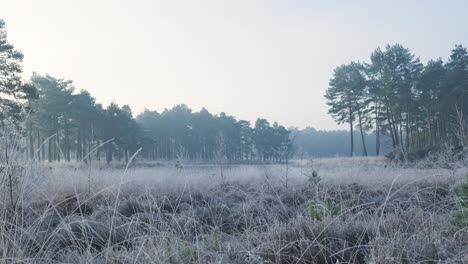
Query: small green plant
x,y
460,214
170,259
215,239
314,214
317,213
175,254
187,254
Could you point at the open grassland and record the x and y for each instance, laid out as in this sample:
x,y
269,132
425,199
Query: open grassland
x,y
322,211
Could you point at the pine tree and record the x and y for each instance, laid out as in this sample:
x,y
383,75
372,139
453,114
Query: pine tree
x,y
13,92
343,97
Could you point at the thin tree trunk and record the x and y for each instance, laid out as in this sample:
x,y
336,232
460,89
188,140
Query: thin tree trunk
x,y
50,150
31,143
389,120
109,153
43,150
84,145
57,147
400,127
407,133
395,130
98,151
362,134
39,146
377,130
351,132
67,143
78,145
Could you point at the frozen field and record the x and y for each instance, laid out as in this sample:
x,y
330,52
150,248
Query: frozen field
x,y
321,211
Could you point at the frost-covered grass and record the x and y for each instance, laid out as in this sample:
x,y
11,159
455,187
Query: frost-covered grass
x,y
354,211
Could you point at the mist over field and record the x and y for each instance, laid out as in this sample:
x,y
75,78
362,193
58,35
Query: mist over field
x,y
261,132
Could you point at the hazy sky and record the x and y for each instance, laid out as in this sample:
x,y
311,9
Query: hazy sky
x,y
248,58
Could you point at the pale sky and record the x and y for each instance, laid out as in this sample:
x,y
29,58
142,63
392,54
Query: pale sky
x,y
248,58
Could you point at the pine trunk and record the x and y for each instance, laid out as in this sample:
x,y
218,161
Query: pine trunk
x,y
362,134
351,132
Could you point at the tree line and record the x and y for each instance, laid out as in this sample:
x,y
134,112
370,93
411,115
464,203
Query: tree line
x,y
395,95
60,123
313,143
201,135
74,125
